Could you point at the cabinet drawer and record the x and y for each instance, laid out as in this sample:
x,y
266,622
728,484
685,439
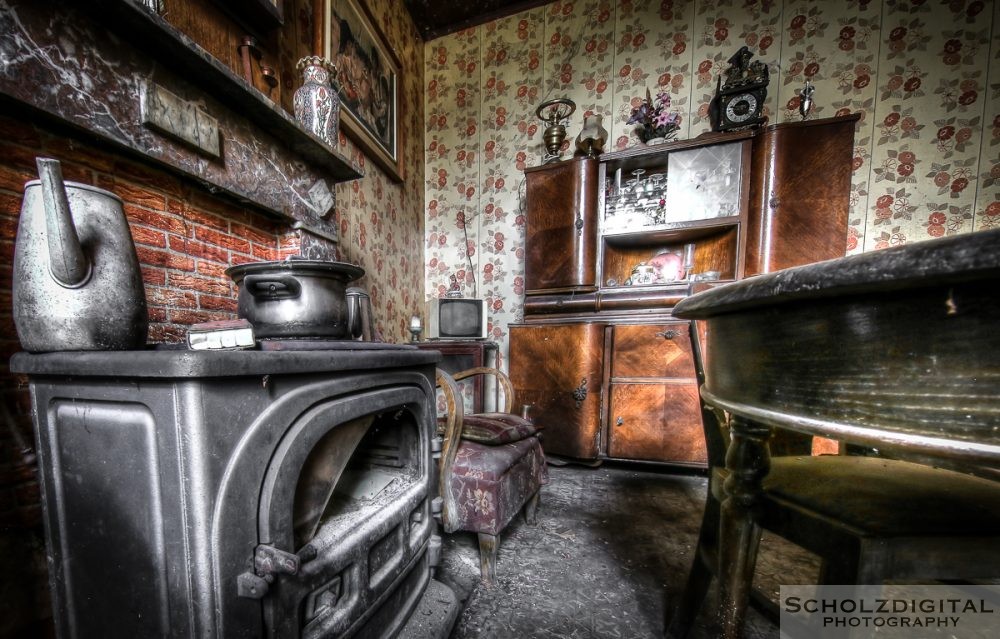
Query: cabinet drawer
x,y
652,350
656,422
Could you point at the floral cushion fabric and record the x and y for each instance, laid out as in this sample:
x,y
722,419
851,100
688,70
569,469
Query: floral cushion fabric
x,y
490,484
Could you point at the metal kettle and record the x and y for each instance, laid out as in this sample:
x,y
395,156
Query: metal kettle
x,y
359,315
77,283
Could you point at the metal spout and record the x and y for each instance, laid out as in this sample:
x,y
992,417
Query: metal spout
x,y
67,263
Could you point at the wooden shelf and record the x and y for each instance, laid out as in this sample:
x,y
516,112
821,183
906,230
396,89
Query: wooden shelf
x,y
174,50
673,233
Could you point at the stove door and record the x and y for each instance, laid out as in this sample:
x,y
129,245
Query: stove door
x,y
343,515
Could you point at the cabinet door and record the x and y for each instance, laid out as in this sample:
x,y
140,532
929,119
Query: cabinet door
x,y
561,231
800,193
656,422
557,369
652,350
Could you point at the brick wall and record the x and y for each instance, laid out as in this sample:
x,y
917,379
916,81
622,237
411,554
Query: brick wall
x,y
185,238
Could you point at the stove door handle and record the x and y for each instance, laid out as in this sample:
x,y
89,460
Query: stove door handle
x,y
272,287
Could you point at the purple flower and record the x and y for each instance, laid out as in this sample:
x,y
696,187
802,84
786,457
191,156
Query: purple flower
x,y
664,118
663,98
640,115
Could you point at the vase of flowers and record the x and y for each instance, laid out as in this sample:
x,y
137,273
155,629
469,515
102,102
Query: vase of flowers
x,y
654,119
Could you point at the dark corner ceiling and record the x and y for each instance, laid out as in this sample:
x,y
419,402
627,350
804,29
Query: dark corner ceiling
x,y
435,18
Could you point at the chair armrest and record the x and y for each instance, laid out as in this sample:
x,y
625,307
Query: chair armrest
x,y
505,383
449,449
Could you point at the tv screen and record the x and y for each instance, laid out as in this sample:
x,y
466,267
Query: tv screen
x,y
460,318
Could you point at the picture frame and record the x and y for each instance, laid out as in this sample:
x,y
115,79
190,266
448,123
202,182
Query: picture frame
x,y
367,81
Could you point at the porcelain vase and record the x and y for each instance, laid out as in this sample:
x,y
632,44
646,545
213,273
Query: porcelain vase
x,y
316,104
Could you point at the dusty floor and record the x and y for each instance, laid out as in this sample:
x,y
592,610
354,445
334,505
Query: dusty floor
x,y
611,549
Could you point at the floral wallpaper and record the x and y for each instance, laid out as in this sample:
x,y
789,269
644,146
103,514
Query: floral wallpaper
x,y
381,221
924,74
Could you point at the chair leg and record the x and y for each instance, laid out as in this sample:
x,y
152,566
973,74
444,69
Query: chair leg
x,y
531,508
488,545
679,625
700,577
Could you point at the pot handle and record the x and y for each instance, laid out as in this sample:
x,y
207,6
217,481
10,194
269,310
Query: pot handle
x,y
272,287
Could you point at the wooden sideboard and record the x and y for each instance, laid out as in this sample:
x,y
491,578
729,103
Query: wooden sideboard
x,y
600,356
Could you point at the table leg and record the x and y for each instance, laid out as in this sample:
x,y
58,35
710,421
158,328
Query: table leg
x,y
748,462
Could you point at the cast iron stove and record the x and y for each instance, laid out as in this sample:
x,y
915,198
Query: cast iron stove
x,y
281,493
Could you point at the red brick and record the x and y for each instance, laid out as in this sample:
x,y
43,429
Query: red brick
x,y
216,303
7,249
200,284
169,297
153,257
253,234
149,177
76,173
8,226
149,237
241,259
212,269
10,204
290,240
201,200
285,253
13,178
221,239
207,219
194,317
154,276
157,314
18,131
263,252
139,196
19,157
154,219
166,333
198,249
69,149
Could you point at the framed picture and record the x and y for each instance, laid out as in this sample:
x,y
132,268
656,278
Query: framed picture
x,y
367,81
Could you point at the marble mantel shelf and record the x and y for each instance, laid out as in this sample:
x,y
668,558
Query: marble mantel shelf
x,y
88,67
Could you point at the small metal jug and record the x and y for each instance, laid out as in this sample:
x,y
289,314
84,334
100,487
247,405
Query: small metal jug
x,y
77,283
359,314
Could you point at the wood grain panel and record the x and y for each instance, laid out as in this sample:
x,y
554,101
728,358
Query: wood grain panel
x,y
561,232
801,190
656,422
652,350
547,364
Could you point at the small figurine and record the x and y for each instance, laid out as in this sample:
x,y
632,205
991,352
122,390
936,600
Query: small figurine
x,y
454,290
806,100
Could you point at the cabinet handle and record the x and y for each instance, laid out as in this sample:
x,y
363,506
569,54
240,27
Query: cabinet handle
x,y
579,224
668,334
580,392
619,421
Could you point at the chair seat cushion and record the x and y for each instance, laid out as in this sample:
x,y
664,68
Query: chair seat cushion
x,y
490,484
885,497
494,429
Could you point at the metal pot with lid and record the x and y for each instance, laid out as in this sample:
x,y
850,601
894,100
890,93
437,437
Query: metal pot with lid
x,y
295,297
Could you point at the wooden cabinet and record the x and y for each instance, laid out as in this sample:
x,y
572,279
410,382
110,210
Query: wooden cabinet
x,y
605,266
561,232
653,411
556,368
801,179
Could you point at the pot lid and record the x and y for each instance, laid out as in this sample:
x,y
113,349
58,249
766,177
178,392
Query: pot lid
x,y
318,268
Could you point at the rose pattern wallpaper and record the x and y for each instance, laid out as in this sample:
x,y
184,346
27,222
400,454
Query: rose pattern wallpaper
x,y
924,74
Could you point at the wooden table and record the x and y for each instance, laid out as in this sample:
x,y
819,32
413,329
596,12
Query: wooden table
x,y
897,349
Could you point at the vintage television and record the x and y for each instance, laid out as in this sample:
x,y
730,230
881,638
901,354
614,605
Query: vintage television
x,y
456,318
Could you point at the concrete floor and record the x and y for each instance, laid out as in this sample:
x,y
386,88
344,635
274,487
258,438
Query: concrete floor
x,y
610,552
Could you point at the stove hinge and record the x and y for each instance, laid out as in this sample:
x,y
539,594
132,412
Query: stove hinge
x,y
268,562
